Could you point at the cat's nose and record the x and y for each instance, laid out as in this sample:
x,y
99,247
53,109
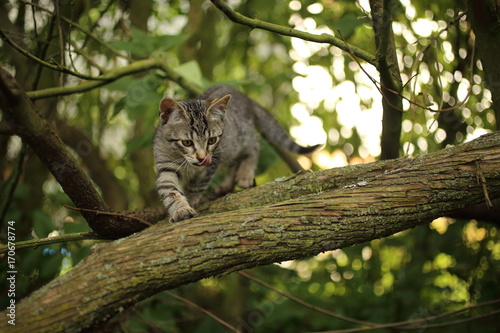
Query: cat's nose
x,y
204,161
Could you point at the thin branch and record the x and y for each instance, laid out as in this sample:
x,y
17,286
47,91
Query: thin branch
x,y
287,31
98,212
481,179
42,48
34,243
451,323
408,324
208,313
413,324
379,87
82,29
87,57
11,183
305,304
115,74
52,64
61,40
96,23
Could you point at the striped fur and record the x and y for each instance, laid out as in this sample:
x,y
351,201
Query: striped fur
x,y
197,138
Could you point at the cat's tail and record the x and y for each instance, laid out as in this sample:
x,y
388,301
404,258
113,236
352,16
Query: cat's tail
x,y
273,132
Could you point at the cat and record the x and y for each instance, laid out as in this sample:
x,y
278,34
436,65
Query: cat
x,y
214,133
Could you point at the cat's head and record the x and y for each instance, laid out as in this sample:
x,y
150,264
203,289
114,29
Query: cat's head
x,y
193,128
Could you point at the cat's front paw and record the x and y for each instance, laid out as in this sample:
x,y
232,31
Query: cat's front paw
x,y
246,182
183,214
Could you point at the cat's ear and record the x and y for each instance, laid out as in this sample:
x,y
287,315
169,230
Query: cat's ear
x,y
167,107
218,105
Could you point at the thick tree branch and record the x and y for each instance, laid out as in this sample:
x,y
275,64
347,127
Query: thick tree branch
x,y
37,133
121,273
287,31
113,192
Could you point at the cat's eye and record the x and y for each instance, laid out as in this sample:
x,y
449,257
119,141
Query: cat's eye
x,y
187,143
212,140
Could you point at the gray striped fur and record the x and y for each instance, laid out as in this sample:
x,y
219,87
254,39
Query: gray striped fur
x,y
214,133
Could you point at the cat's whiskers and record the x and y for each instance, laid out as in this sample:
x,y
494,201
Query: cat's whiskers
x,y
193,129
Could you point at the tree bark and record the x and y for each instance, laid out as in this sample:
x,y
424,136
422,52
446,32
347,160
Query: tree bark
x,y
113,192
409,193
37,133
485,22
390,78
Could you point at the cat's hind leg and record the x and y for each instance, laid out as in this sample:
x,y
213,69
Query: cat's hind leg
x,y
227,184
245,175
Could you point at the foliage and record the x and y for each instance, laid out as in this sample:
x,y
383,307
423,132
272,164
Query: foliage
x,y
416,274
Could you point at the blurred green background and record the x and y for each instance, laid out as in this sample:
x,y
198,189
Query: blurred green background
x,y
315,90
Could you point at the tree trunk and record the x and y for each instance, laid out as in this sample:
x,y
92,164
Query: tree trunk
x,y
390,78
485,22
410,192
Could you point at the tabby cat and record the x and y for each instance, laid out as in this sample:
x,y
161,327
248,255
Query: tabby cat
x,y
216,132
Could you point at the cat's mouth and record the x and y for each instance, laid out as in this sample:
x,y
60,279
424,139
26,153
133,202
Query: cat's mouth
x,y
206,161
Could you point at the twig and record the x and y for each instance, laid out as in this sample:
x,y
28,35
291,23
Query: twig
x,y
377,84
451,323
87,57
286,31
115,74
481,179
410,324
52,64
61,40
307,305
196,306
372,326
96,23
81,28
99,212
51,240
11,183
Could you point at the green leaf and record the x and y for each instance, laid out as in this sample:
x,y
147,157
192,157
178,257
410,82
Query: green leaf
x,y
122,84
191,71
134,48
143,44
118,107
142,93
167,42
348,23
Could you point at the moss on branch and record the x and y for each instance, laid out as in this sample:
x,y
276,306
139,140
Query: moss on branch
x,y
120,273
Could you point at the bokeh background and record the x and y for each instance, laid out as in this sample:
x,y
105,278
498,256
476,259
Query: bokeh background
x,y
316,90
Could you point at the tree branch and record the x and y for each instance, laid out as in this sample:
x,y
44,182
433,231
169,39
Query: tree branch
x,y
36,132
390,78
52,64
34,243
121,273
113,192
485,21
287,31
113,75
85,31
